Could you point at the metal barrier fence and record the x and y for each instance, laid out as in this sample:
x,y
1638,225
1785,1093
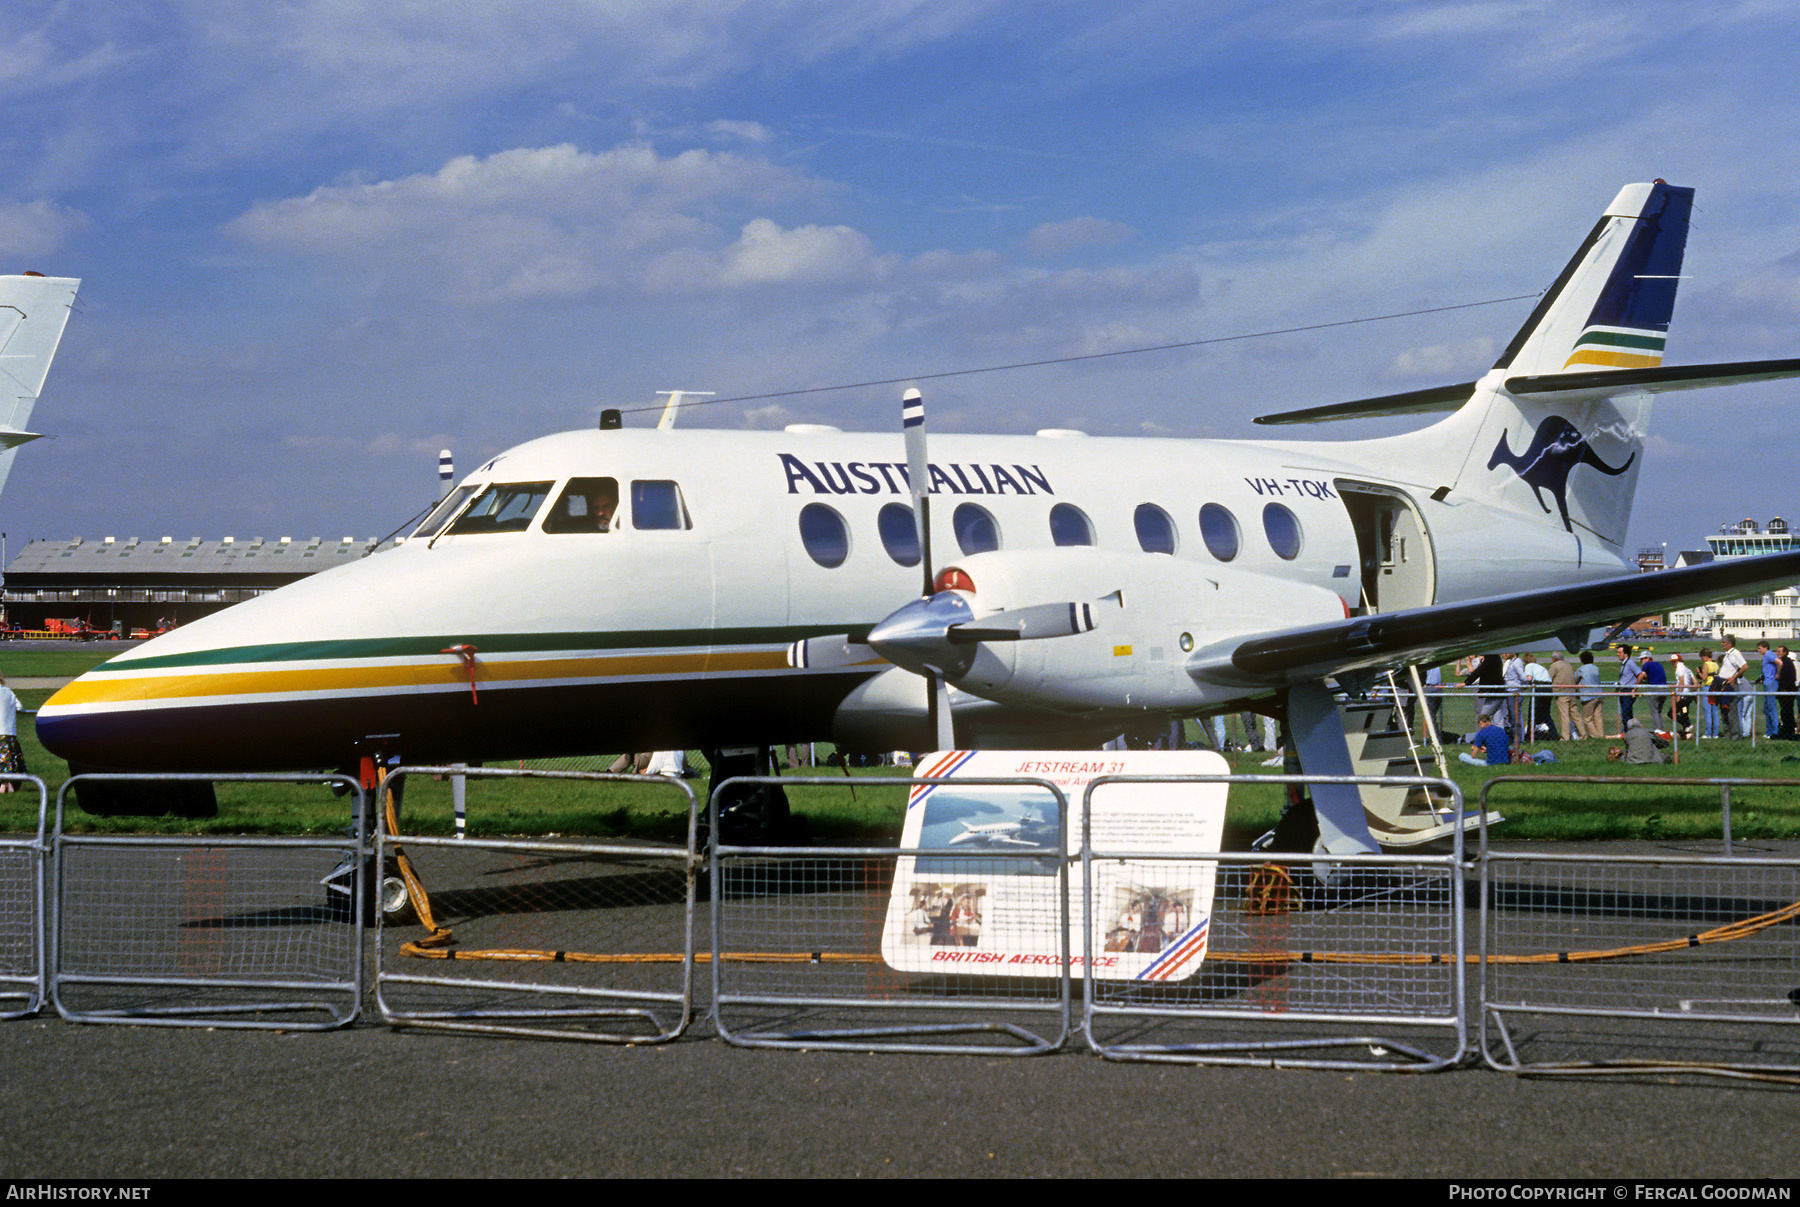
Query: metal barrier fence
x,y
22,912
809,943
1578,949
1363,953
596,939
1647,963
1657,784
202,931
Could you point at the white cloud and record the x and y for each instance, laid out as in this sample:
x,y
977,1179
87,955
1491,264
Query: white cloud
x,y
36,228
1073,234
1452,361
736,131
773,415
767,254
556,221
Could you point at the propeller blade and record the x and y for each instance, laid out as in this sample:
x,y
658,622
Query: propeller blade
x,y
918,472
828,653
1026,624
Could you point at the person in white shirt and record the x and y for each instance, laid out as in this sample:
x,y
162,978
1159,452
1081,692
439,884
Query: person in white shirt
x,y
1685,683
1731,669
1537,687
12,759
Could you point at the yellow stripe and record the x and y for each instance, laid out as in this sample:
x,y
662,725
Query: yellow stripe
x,y
115,690
1614,360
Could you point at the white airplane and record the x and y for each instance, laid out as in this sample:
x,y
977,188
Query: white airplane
x,y
34,309
1027,830
641,589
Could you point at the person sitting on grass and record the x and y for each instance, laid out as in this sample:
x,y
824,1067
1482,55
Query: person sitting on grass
x,y
1641,745
1492,744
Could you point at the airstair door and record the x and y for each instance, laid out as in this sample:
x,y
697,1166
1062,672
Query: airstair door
x,y
1393,547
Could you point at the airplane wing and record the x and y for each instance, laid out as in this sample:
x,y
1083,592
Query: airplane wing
x,y
1445,631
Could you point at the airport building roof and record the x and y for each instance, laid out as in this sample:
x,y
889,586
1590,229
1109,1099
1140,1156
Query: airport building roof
x,y
179,560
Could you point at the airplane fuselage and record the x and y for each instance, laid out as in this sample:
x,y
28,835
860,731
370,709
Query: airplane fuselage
x,y
671,628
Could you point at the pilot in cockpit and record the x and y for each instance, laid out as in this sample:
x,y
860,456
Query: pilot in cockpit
x,y
586,505
602,503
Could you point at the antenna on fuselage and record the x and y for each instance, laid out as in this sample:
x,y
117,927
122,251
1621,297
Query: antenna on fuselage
x,y
446,472
673,406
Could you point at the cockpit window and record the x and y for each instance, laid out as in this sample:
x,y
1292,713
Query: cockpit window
x,y
440,515
585,505
657,504
502,508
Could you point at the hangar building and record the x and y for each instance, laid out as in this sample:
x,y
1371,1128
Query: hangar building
x,y
136,584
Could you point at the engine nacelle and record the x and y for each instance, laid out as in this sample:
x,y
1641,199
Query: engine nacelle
x,y
1149,612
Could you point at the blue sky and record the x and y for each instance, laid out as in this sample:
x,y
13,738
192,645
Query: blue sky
x,y
319,241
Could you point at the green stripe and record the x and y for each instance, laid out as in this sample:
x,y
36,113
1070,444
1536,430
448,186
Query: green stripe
x,y
1652,342
488,643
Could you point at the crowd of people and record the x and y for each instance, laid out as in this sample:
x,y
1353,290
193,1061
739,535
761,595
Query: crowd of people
x,y
1520,699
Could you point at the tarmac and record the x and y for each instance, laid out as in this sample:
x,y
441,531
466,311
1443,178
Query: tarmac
x,y
138,1102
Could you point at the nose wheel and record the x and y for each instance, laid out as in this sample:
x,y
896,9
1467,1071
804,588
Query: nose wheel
x,y
390,893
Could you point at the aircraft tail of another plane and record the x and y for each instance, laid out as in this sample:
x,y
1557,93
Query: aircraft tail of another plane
x,y
34,309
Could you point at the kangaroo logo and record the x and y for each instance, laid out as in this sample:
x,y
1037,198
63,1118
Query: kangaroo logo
x,y
1556,449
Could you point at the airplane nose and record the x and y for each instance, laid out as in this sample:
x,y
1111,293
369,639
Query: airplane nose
x,y
92,720
917,636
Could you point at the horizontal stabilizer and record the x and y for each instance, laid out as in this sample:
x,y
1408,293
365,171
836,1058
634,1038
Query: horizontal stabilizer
x,y
13,438
1654,381
1415,402
1576,387
1444,631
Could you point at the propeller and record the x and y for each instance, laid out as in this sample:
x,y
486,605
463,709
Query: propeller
x,y
936,636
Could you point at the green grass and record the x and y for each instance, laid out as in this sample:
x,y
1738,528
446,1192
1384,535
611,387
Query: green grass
x,y
77,659
1630,805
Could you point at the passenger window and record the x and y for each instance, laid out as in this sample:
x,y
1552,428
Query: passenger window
x,y
585,505
826,537
1219,529
502,508
440,515
1283,530
975,529
1155,530
656,504
899,531
1069,525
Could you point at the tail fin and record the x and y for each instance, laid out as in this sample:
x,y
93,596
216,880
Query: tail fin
x,y
33,311
1571,457
1611,306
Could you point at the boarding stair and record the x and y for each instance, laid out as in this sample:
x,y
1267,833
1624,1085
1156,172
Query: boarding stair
x,y
1398,816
